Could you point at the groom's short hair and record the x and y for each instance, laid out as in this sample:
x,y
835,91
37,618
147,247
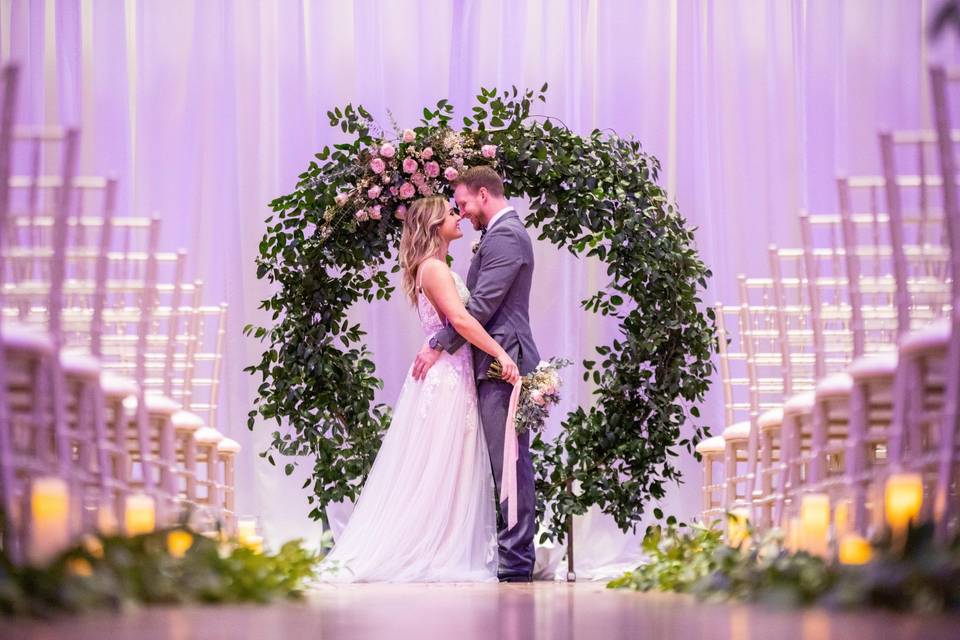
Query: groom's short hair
x,y
482,176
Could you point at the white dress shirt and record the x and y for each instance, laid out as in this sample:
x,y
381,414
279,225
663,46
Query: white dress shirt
x,y
497,216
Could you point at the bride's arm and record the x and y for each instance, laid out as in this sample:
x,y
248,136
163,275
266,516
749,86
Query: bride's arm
x,y
438,285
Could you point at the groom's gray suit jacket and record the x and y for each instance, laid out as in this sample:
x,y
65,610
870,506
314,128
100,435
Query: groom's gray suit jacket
x,y
499,281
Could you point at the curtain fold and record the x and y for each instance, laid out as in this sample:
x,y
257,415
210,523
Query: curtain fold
x,y
208,110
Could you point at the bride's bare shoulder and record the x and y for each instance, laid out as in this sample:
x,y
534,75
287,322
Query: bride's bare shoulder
x,y
434,267
435,272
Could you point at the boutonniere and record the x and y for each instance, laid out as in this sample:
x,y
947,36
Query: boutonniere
x,y
475,246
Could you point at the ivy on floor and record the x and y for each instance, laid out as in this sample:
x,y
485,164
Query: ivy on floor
x,y
171,566
914,574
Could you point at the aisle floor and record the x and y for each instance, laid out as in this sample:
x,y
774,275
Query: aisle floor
x,y
464,612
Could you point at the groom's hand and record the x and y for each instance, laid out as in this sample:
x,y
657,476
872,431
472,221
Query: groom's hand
x,y
425,359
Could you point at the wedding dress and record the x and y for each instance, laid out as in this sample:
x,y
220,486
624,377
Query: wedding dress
x,y
426,512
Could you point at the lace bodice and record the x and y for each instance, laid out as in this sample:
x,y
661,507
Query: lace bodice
x,y
430,319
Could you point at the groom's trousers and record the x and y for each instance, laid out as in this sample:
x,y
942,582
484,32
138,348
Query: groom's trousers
x,y
517,553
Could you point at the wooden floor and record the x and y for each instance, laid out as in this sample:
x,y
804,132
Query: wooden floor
x,y
490,612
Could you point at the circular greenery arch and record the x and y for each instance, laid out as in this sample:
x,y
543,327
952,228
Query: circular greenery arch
x,y
325,250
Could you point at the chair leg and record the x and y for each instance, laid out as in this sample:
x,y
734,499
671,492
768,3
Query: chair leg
x,y
943,505
856,466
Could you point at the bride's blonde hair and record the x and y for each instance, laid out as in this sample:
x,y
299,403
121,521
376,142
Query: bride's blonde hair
x,y
420,239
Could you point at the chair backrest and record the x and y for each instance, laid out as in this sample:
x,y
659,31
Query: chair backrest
x,y
943,81
732,357
868,257
792,296
825,273
919,241
760,325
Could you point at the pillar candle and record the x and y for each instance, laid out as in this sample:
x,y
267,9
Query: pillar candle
x,y
903,499
815,523
738,533
140,514
854,549
49,511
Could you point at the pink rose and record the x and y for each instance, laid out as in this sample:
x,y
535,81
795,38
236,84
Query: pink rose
x,y
536,397
427,153
361,215
377,165
451,174
488,150
401,212
407,191
374,192
409,135
341,199
387,150
409,165
374,213
425,189
432,169
394,191
418,179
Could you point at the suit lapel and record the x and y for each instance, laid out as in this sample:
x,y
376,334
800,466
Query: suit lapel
x,y
475,265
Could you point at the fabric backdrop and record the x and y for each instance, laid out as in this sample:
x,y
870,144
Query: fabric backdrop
x,y
207,110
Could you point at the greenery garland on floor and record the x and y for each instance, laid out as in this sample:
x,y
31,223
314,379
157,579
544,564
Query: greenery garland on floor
x,y
172,566
330,245
914,575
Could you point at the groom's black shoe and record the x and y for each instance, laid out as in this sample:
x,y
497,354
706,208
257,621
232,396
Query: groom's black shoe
x,y
515,578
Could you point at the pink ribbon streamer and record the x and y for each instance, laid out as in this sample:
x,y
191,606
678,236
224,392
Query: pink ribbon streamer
x,y
511,453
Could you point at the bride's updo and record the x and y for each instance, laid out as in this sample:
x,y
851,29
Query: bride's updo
x,y
420,239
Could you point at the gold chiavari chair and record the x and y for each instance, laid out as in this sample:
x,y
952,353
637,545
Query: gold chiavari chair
x,y
798,348
945,499
923,290
733,359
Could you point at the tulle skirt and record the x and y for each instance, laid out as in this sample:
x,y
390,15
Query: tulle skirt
x,y
427,510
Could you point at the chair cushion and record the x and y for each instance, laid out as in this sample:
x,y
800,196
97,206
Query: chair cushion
x,y
799,403
186,421
25,338
156,403
716,444
79,363
737,431
228,445
875,365
117,386
836,384
933,337
771,418
207,435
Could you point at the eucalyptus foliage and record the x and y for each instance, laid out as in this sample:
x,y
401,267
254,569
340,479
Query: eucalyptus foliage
x,y
594,195
112,572
909,574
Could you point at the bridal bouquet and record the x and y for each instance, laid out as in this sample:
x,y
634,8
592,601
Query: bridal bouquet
x,y
540,391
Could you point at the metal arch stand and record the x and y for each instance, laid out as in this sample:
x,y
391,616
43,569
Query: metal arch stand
x,y
571,574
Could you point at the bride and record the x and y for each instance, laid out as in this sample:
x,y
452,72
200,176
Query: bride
x,y
427,511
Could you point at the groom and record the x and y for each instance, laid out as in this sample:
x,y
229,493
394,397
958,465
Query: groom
x,y
499,283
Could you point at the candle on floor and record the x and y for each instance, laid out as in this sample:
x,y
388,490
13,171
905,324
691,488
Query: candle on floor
x,y
903,499
107,523
792,539
841,519
179,542
246,529
854,549
815,523
140,515
49,511
738,532
255,544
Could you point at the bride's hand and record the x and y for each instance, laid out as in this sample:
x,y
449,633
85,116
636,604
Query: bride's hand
x,y
510,370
